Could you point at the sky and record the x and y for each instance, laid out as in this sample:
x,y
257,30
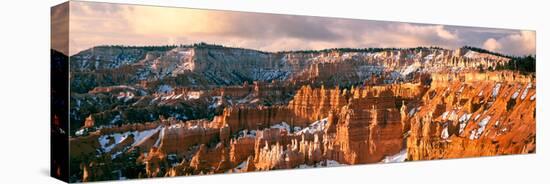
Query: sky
x,y
60,28
93,24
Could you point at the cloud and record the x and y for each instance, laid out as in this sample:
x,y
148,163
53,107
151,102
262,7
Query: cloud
x,y
194,23
102,23
519,43
428,30
492,44
410,35
59,34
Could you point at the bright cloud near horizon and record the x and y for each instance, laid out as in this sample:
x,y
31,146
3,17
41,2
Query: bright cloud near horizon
x,y
93,24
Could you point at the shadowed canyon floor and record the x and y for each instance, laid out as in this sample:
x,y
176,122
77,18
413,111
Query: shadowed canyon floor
x,y
204,109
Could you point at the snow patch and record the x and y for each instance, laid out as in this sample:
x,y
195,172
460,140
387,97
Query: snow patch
x,y
194,95
81,132
463,122
465,117
314,127
329,163
116,119
216,102
241,166
515,95
449,115
496,89
471,54
246,133
119,137
161,136
476,133
412,111
477,117
333,163
444,115
165,89
429,57
409,69
282,125
399,157
524,94
445,133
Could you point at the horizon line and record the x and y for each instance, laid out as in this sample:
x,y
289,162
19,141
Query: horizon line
x,y
300,50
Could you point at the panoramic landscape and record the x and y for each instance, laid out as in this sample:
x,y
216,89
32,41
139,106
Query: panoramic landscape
x,y
260,92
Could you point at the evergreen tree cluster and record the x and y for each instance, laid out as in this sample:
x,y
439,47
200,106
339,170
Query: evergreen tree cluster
x,y
524,64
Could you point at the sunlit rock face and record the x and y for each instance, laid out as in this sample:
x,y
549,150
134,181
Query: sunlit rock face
x,y
482,115
369,128
206,109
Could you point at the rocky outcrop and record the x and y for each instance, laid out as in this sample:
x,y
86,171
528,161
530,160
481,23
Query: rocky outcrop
x,y
204,64
311,104
253,118
238,110
483,116
240,149
279,156
308,105
368,129
178,138
155,163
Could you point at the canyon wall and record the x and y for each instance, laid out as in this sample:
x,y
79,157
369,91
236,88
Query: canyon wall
x,y
240,110
485,115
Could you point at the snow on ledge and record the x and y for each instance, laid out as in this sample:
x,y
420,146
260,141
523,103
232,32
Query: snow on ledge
x,y
399,157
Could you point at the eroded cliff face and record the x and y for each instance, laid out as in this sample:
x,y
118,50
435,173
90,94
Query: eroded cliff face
x,y
319,127
489,114
361,125
212,110
184,82
369,128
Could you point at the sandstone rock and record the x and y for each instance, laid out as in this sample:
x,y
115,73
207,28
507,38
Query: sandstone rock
x,y
484,126
155,163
